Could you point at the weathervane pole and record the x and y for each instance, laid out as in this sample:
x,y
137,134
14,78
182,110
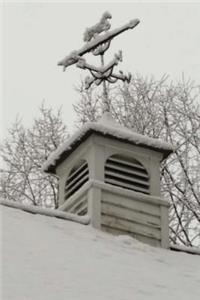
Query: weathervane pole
x,y
98,43
106,106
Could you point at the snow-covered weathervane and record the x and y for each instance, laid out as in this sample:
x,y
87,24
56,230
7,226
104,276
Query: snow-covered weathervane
x,y
98,43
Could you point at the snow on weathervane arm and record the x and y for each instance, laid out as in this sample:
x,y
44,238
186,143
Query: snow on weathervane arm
x,y
98,43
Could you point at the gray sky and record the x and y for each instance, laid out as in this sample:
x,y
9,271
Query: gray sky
x,y
36,36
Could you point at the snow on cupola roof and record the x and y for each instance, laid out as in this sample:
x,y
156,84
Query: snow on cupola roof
x,y
107,127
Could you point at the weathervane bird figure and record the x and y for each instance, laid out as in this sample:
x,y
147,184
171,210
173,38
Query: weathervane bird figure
x,y
97,41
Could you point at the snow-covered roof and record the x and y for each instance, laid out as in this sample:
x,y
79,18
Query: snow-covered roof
x,y
106,126
49,258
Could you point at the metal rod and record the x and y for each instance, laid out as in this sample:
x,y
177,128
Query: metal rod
x,y
106,106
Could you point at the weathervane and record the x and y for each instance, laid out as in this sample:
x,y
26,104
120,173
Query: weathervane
x,y
98,43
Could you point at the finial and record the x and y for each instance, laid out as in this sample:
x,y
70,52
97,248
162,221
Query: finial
x,y
97,41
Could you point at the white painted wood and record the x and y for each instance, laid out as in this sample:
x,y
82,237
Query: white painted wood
x,y
131,215
143,239
94,206
125,170
139,153
127,163
78,204
71,203
129,178
77,172
131,194
148,240
131,227
61,191
76,196
82,210
83,152
75,186
114,208
76,180
155,175
131,204
164,227
96,162
126,185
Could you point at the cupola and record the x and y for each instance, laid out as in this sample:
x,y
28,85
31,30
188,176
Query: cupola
x,y
112,174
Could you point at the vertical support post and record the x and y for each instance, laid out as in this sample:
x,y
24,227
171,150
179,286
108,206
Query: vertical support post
x,y
155,175
94,206
96,161
96,164
164,226
61,191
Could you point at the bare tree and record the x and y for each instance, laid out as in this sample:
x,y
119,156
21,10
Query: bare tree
x,y
170,111
23,153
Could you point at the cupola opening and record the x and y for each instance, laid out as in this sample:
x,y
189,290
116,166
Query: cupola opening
x,y
77,177
127,173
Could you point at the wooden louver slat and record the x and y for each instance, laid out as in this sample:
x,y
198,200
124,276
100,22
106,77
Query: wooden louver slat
x,y
76,179
126,162
77,170
130,179
126,173
124,169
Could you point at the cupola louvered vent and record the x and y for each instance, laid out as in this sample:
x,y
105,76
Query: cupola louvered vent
x,y
127,173
77,177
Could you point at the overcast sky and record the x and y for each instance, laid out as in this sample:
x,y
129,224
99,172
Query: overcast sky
x,y
36,36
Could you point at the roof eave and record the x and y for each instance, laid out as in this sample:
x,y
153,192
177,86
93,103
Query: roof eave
x,y
52,167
